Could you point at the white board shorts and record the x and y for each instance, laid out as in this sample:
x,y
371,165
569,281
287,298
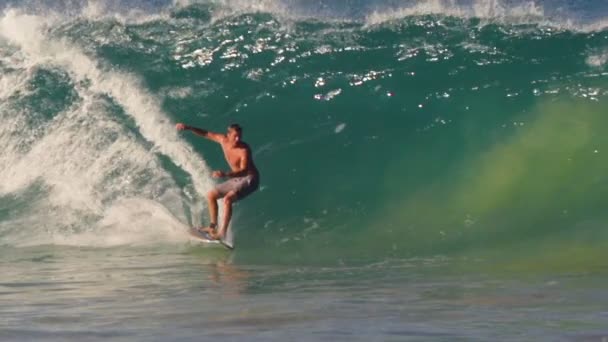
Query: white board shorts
x,y
244,186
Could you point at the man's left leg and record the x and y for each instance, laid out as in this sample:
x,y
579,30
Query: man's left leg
x,y
212,197
228,200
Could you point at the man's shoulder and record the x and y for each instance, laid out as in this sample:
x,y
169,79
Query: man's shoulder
x,y
221,138
243,145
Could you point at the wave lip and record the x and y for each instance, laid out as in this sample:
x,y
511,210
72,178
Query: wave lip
x,y
586,18
480,9
496,11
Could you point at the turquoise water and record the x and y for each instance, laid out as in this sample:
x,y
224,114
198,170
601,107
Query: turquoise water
x,y
430,170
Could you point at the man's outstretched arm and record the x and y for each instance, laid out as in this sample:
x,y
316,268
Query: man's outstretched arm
x,y
218,138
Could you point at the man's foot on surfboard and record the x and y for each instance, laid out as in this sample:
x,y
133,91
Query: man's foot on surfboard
x,y
208,232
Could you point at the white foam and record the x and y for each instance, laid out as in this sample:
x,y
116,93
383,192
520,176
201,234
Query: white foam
x,y
596,26
598,60
181,3
130,222
229,8
91,10
177,92
339,128
73,154
483,9
502,11
25,30
10,79
98,9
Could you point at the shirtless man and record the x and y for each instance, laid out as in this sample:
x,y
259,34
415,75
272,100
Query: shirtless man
x,y
243,180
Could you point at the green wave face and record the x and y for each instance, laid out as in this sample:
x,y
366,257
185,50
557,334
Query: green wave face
x,y
416,136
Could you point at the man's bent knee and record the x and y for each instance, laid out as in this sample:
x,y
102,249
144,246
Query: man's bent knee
x,y
213,195
230,198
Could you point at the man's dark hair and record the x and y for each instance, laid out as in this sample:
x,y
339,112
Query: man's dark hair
x,y
236,128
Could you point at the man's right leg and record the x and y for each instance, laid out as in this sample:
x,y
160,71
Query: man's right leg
x,y
212,197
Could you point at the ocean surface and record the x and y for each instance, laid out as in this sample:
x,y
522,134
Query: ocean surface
x,y
431,170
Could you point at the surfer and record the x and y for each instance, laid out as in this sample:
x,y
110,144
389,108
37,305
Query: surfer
x,y
243,179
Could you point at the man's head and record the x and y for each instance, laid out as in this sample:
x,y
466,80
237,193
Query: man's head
x,y
234,134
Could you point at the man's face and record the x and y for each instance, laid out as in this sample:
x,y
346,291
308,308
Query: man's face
x,y
233,136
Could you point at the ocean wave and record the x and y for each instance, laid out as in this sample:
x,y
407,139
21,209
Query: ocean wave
x,y
427,128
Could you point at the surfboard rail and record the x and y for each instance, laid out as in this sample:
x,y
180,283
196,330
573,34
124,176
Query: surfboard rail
x,y
205,238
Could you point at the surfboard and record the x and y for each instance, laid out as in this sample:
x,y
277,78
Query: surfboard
x,y
205,238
